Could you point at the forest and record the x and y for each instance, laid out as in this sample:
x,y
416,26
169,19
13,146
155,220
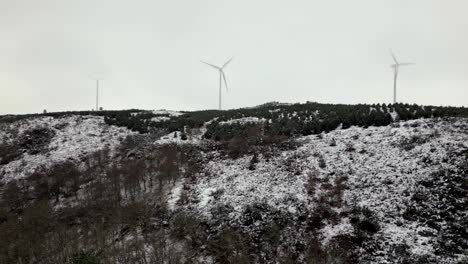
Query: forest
x,y
284,119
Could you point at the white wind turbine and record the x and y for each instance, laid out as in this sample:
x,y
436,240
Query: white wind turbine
x,y
222,77
97,94
396,67
97,78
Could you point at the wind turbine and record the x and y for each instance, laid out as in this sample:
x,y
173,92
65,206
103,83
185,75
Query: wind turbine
x,y
396,67
222,77
97,94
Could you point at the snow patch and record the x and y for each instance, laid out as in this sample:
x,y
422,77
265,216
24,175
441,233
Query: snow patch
x,y
169,113
243,120
174,195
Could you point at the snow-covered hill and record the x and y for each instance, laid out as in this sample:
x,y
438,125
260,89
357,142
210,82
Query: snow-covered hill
x,y
387,194
383,170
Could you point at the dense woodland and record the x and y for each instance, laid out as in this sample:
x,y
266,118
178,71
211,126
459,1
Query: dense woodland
x,y
284,120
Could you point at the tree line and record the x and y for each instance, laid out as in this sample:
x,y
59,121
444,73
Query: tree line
x,y
295,119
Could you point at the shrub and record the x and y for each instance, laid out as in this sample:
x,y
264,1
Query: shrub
x,y
237,147
364,222
322,162
349,147
413,141
8,153
312,182
253,161
35,140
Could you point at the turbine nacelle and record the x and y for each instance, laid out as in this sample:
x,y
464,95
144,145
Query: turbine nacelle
x,y
398,64
217,67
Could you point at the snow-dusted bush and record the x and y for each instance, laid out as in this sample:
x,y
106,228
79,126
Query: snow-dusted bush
x,y
8,153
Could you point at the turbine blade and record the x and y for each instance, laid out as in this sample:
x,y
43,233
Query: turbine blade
x,y
405,64
227,62
393,56
214,66
225,81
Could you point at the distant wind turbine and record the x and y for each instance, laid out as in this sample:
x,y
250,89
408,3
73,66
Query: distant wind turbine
x,y
222,76
396,67
97,94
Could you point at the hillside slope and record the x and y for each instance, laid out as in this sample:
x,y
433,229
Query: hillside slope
x,y
234,188
401,187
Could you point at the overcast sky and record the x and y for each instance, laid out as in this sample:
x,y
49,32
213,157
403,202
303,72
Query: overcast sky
x,y
148,53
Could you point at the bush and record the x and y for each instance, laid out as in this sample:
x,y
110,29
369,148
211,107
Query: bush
x,y
413,141
253,161
8,153
312,182
35,140
365,223
349,147
238,147
322,162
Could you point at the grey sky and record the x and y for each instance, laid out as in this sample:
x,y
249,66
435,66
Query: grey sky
x,y
148,52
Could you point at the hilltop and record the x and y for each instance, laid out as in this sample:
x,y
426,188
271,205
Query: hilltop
x,y
276,183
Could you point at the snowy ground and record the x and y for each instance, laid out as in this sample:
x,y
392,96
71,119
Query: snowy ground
x,y
169,113
381,166
378,168
243,120
75,137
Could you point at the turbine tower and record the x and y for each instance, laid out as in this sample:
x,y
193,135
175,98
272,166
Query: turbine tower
x,y
97,94
222,76
396,67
